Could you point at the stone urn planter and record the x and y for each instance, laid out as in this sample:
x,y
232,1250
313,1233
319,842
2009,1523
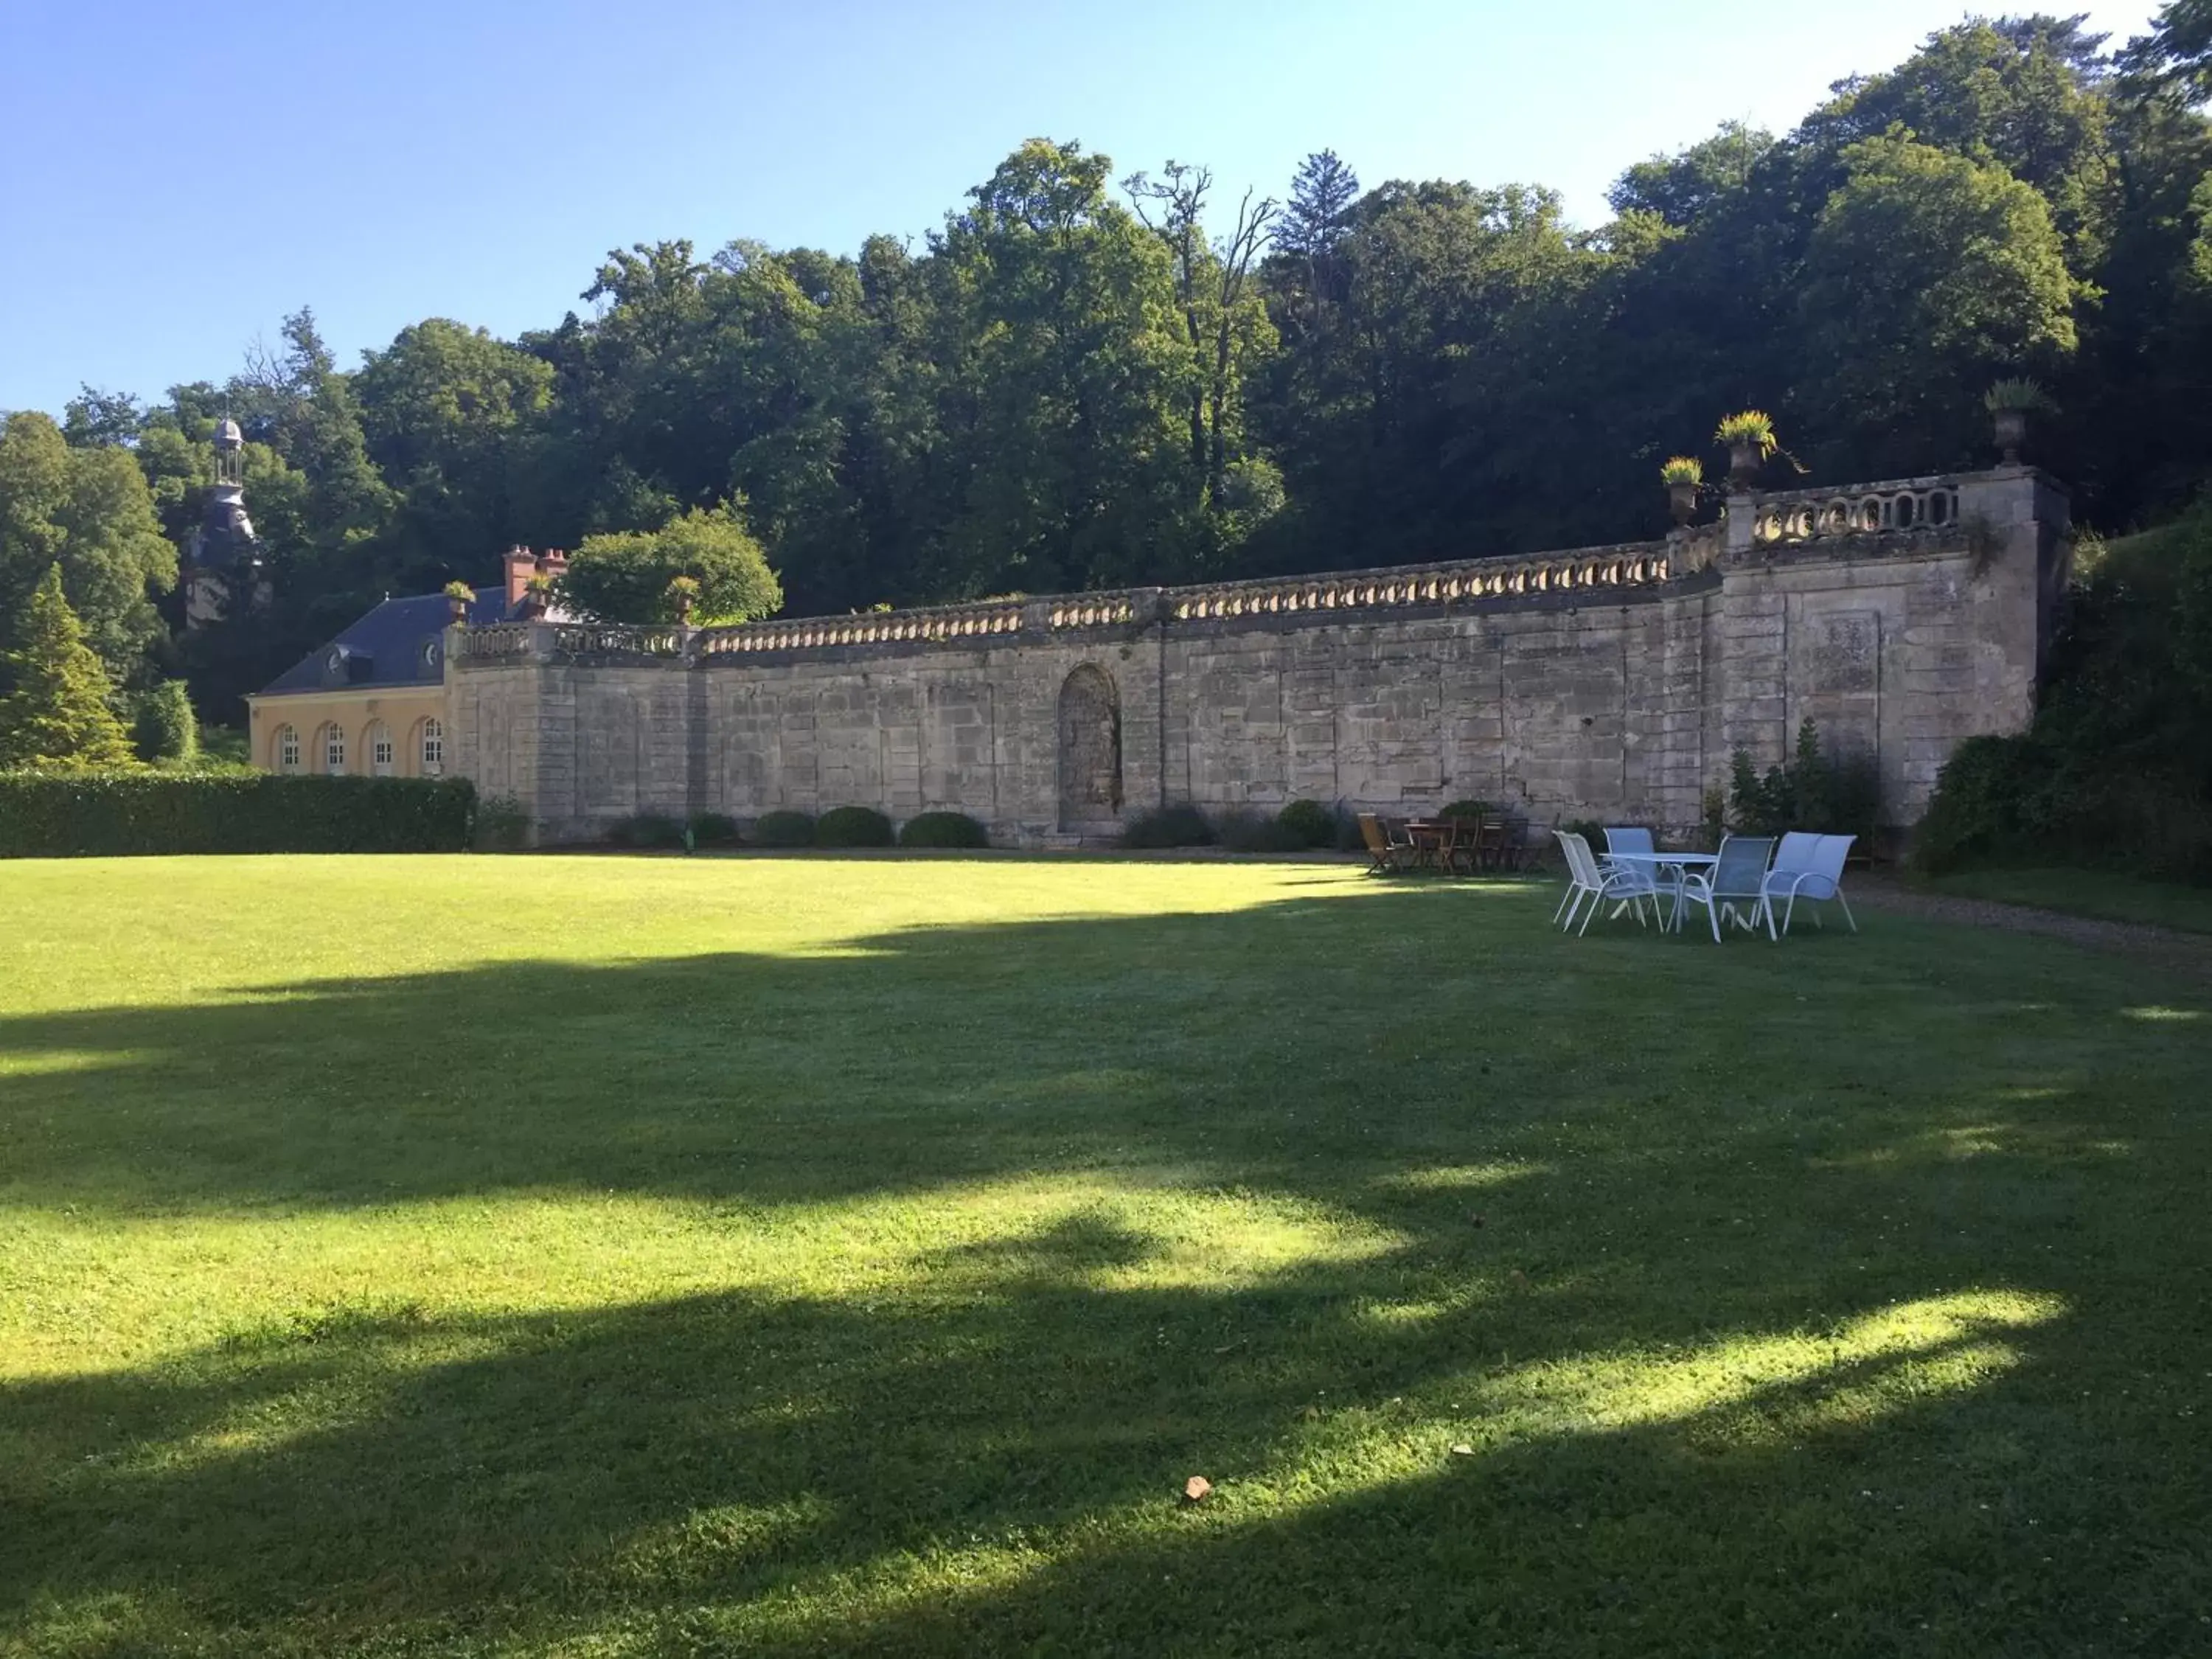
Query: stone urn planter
x,y
1682,501
1744,462
2011,432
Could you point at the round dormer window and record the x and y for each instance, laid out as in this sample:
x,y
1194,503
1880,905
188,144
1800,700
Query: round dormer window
x,y
429,654
338,661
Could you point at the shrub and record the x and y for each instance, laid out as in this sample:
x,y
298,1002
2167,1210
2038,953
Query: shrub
x,y
944,829
502,824
1181,825
646,829
162,726
1466,809
1981,809
1247,831
68,814
714,830
784,830
852,826
1812,790
1314,824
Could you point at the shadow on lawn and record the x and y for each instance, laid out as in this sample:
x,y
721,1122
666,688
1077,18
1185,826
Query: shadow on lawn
x,y
752,1471
1304,1036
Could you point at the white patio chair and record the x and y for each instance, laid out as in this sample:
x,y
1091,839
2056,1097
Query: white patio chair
x,y
1734,887
1624,839
1628,884
1809,867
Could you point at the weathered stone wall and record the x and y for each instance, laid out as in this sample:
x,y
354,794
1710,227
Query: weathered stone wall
x,y
1610,683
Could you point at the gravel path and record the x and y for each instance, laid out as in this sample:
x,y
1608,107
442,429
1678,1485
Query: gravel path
x,y
2190,953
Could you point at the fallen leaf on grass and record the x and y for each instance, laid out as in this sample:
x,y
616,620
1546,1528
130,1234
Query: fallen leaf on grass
x,y
1196,1489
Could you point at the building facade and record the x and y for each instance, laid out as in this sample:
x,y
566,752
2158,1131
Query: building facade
x,y
374,701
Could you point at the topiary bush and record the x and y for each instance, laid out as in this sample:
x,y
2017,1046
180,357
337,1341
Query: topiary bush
x,y
1246,831
502,824
784,830
163,728
714,830
108,814
646,829
1466,810
1181,825
852,826
944,829
1312,823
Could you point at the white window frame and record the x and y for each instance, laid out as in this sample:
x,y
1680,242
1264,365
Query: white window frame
x,y
433,747
383,753
288,748
334,749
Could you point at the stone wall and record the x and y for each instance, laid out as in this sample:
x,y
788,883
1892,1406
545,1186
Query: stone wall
x,y
1609,683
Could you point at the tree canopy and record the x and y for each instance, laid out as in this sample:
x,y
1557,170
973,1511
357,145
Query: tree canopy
x,y
625,576
1072,382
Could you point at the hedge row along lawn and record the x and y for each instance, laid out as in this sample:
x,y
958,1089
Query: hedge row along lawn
x,y
617,1257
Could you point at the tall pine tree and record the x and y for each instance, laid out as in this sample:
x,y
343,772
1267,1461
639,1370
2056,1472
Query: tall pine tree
x,y
57,715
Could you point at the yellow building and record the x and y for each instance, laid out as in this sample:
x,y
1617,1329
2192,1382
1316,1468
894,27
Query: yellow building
x,y
372,702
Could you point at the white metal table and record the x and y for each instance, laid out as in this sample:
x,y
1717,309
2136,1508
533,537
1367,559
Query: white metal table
x,y
1681,862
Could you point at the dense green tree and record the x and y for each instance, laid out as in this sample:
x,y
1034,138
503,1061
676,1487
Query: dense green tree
x,y
88,511
624,576
1928,275
57,711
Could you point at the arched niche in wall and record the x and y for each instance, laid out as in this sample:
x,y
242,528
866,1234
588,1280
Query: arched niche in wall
x,y
1089,750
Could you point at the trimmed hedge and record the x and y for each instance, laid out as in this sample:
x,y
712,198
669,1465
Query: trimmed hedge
x,y
852,826
1181,825
107,814
646,829
943,829
714,830
784,830
1312,823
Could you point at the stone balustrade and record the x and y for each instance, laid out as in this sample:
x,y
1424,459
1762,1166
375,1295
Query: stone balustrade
x,y
1463,581
1878,509
1914,507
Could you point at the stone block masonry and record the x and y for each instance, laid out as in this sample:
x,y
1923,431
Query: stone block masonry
x,y
1609,683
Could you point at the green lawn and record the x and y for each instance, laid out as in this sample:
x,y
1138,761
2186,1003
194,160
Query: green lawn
x,y
581,1256
2101,893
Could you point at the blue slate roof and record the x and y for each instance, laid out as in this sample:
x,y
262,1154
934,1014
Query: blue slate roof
x,y
399,643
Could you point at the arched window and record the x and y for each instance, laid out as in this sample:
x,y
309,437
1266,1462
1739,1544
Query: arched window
x,y
382,751
284,749
434,748
334,749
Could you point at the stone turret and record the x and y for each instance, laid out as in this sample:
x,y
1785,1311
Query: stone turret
x,y
223,555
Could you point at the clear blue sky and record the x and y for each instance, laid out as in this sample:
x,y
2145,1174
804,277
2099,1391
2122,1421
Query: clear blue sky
x,y
178,176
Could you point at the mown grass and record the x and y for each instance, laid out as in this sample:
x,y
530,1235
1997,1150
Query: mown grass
x,y
2105,895
594,1257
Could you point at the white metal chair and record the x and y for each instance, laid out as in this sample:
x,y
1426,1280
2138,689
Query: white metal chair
x,y
1625,839
1735,887
1809,867
1626,883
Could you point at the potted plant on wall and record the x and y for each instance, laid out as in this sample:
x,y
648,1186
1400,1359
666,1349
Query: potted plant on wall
x,y
683,595
2010,403
1748,437
537,596
459,596
1682,475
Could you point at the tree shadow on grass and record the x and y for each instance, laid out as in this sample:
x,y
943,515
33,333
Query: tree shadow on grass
x,y
997,1473
1322,1036
1684,1188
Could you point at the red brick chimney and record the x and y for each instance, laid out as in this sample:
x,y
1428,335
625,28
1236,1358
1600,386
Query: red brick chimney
x,y
522,566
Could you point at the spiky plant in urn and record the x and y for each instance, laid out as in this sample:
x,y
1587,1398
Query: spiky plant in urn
x,y
683,595
1748,437
459,596
1682,474
2010,403
537,596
